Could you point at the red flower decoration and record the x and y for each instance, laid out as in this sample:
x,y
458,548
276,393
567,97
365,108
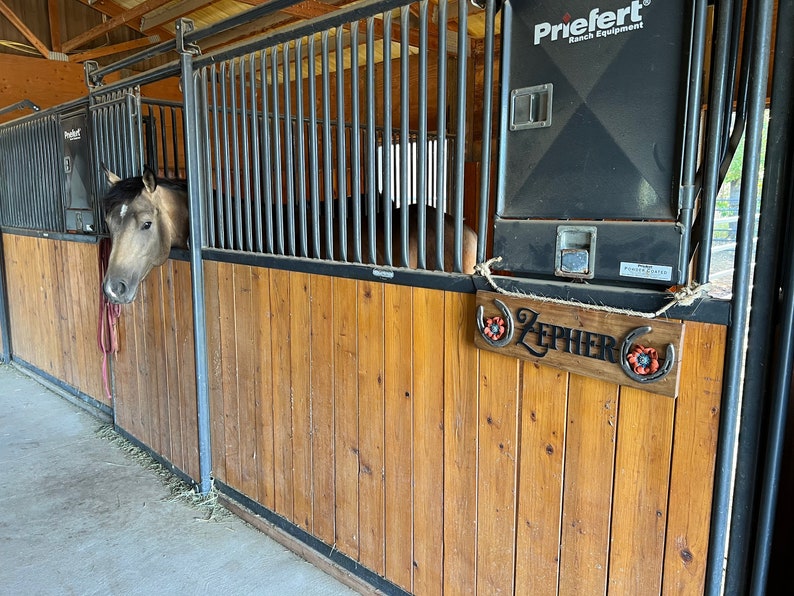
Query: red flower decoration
x,y
494,328
644,361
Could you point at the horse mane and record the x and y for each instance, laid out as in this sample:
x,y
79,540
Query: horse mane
x,y
126,190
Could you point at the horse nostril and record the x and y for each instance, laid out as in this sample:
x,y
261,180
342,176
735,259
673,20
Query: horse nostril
x,y
116,290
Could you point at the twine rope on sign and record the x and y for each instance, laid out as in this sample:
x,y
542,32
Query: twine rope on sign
x,y
685,296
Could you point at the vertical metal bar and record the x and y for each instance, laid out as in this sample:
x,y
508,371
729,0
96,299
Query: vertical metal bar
x,y
313,161
277,180
734,362
256,156
441,110
175,141
192,140
163,137
355,143
460,136
289,166
227,176
300,154
372,181
487,112
208,194
388,139
716,114
327,165
217,112
5,319
245,166
266,162
404,114
341,190
237,199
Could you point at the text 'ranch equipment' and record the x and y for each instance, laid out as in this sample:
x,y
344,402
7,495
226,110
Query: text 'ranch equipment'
x,y
592,144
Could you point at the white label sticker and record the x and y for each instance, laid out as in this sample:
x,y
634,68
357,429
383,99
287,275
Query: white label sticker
x,y
644,271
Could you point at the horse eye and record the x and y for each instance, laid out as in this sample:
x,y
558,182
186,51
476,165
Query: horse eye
x,y
146,225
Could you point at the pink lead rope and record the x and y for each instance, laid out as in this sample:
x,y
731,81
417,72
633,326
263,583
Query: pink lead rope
x,y
109,313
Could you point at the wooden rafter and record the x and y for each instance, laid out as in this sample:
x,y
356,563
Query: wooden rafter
x,y
55,24
172,13
111,9
124,18
114,49
22,28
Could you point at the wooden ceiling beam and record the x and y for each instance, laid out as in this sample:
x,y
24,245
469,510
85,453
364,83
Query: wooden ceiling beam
x,y
114,49
22,28
111,9
55,24
124,18
169,15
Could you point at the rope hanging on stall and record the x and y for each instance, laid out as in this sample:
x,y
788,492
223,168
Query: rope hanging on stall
x,y
685,296
109,313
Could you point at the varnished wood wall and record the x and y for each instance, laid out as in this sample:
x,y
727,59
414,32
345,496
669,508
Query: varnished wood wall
x,y
154,370
363,413
53,301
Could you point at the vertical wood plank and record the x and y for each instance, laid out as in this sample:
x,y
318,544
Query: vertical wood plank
x,y
215,369
544,395
159,359
346,414
300,358
282,402
173,374
461,391
428,453
370,424
693,462
398,437
246,359
587,496
183,312
231,396
496,492
147,373
639,503
323,415
266,481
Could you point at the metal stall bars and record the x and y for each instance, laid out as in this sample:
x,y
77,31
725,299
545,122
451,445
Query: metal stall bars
x,y
313,151
117,132
30,173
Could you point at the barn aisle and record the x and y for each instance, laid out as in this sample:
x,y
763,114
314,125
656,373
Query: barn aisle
x,y
80,516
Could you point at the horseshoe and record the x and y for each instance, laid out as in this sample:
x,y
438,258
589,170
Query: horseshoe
x,y
664,369
505,339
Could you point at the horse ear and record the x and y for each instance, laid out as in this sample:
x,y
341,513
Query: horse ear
x,y
111,177
149,179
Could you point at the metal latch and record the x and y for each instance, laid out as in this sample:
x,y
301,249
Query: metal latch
x,y
575,252
530,107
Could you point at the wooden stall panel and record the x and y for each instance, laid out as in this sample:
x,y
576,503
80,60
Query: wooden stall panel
x,y
154,371
381,429
53,301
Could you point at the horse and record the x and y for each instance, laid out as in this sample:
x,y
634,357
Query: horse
x,y
147,216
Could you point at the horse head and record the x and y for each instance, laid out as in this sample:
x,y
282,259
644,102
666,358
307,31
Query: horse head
x,y
145,217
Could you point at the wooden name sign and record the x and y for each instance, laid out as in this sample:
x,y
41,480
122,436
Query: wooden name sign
x,y
633,351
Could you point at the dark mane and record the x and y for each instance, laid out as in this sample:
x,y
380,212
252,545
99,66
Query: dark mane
x,y
129,188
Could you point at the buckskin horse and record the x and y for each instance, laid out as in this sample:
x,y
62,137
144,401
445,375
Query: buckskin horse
x,y
147,216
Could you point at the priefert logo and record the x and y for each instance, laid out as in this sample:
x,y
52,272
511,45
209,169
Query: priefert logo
x,y
72,135
596,24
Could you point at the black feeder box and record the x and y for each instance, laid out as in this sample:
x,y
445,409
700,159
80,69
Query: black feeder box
x,y
77,173
593,106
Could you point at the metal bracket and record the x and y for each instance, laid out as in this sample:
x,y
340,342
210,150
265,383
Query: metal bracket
x,y
89,68
184,26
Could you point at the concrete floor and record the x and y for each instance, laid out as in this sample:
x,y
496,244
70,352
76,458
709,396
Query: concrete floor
x,y
80,516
